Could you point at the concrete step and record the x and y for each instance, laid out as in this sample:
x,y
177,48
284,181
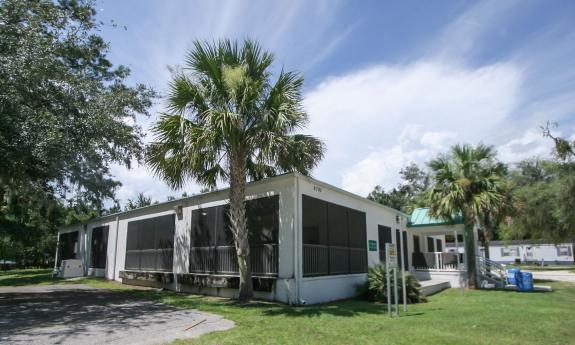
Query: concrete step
x,y
430,287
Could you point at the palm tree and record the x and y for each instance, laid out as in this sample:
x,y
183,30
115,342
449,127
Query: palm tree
x,y
227,121
465,182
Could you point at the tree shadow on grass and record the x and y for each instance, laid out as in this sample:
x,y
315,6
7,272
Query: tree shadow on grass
x,y
347,308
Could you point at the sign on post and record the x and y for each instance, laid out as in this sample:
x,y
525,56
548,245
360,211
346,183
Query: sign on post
x,y
391,254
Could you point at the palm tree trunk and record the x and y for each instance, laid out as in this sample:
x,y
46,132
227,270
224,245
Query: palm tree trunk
x,y
239,224
469,243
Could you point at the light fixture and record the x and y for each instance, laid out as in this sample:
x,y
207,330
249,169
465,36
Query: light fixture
x,y
179,211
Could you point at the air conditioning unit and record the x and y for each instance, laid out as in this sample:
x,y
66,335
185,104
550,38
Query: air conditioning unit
x,y
71,268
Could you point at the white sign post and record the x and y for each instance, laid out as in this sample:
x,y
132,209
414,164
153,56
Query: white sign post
x,y
391,264
403,264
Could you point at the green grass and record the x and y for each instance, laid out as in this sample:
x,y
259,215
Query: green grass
x,y
544,268
479,317
28,277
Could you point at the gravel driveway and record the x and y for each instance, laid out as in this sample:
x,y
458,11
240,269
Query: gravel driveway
x,y
79,314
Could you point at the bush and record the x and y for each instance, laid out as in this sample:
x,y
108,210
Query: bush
x,y
375,289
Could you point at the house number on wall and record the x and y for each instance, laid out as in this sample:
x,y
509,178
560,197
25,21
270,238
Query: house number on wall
x,y
317,189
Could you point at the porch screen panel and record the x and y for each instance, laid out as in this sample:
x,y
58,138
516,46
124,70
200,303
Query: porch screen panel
x,y
338,239
315,238
263,226
384,236
164,240
99,247
132,247
150,244
147,236
357,241
224,253
334,238
213,249
202,240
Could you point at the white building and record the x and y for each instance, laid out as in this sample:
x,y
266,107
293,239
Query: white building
x,y
311,242
526,251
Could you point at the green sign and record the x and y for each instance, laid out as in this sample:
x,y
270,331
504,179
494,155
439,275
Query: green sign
x,y
372,246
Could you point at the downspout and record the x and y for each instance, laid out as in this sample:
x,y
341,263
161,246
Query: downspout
x,y
116,247
296,242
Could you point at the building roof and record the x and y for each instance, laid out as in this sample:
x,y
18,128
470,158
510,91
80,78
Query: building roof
x,y
420,217
224,190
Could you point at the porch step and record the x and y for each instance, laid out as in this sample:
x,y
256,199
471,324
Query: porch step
x,y
432,286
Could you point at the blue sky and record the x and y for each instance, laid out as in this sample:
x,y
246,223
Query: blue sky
x,y
387,83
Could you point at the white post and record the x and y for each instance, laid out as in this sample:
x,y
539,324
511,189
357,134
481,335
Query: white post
x,y
388,288
395,291
403,272
457,249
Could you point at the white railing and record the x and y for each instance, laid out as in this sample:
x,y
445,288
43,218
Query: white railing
x,y
436,261
491,271
223,259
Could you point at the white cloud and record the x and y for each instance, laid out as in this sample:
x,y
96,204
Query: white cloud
x,y
379,119
375,120
529,145
139,179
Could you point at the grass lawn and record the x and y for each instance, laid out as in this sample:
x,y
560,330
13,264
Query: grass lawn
x,y
544,268
479,317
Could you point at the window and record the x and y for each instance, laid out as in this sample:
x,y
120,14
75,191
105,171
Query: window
x,y
438,245
564,251
212,243
150,244
99,247
384,236
334,238
430,244
68,246
510,251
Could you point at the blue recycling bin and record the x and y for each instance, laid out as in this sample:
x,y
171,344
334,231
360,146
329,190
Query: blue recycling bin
x,y
524,281
512,275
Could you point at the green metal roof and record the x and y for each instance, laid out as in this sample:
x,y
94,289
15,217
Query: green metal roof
x,y
420,217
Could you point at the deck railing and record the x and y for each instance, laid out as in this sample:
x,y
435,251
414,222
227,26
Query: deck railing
x,y
437,261
491,272
321,259
223,260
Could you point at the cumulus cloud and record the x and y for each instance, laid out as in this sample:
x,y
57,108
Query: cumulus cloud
x,y
379,119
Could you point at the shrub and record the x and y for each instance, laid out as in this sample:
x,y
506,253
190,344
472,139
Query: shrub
x,y
375,289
